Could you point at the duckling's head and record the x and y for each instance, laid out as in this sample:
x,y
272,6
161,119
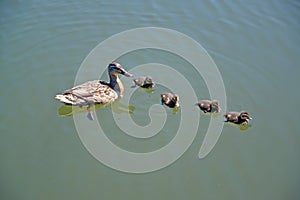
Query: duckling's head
x,y
245,116
148,80
115,68
176,100
215,107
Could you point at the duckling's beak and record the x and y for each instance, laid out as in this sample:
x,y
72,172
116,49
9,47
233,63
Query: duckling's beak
x,y
125,73
248,119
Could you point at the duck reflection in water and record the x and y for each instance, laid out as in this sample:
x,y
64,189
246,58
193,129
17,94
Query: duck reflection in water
x,y
116,106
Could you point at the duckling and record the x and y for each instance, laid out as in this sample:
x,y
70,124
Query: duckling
x,y
242,117
170,100
96,91
209,106
144,81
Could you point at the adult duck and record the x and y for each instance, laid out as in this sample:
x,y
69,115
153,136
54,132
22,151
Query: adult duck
x,y
96,91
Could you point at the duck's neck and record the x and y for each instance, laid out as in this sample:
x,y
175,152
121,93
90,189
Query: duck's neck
x,y
116,84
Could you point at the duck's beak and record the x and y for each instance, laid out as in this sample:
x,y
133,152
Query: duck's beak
x,y
125,73
248,119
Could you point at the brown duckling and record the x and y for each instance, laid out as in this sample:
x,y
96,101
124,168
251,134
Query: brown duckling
x,y
209,106
238,117
144,81
170,100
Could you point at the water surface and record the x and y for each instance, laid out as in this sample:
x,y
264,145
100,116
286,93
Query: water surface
x,y
255,45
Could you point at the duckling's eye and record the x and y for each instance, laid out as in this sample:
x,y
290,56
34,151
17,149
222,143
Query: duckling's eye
x,y
245,116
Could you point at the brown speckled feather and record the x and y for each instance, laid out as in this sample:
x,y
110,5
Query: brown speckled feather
x,y
88,93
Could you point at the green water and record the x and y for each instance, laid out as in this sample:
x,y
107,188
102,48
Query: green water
x,y
255,45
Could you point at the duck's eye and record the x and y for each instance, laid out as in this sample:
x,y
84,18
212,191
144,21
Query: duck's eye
x,y
118,69
114,67
245,116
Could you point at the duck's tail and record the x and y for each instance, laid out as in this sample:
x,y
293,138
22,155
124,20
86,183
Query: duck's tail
x,y
68,99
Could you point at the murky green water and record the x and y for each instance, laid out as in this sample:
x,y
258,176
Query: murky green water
x,y
255,45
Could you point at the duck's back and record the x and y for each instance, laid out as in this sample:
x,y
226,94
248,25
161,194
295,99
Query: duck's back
x,y
91,92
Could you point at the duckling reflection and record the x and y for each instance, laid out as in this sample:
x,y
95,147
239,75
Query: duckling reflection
x,y
245,127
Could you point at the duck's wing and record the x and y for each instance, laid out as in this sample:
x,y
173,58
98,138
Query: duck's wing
x,y
92,92
204,105
232,117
